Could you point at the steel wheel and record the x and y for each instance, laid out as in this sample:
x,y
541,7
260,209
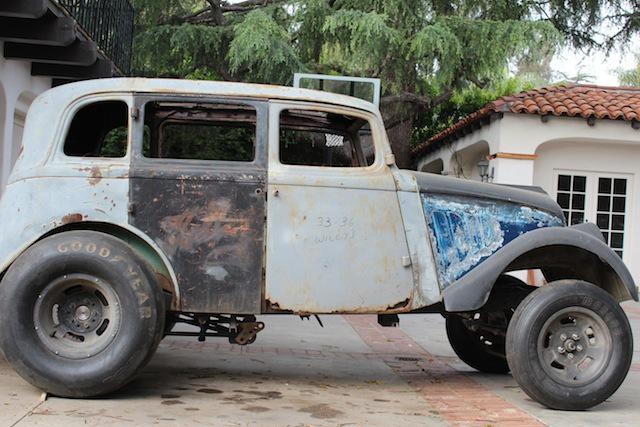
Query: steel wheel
x,y
77,316
569,345
574,346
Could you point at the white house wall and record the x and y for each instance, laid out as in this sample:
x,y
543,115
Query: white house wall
x,y
523,133
18,88
486,135
603,157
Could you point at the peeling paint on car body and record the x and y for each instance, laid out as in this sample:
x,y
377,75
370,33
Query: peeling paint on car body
x,y
465,231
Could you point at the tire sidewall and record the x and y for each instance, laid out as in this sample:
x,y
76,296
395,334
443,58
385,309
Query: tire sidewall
x,y
110,260
522,344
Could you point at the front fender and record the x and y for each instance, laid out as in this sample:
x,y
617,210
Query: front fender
x,y
576,252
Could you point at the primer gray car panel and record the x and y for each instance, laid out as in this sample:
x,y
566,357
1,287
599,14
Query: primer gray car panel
x,y
335,237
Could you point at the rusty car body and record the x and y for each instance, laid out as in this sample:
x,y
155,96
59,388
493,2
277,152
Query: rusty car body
x,y
228,240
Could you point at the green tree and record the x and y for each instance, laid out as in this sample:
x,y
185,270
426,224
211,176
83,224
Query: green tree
x,y
427,52
631,77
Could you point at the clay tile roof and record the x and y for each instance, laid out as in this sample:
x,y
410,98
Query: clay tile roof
x,y
571,100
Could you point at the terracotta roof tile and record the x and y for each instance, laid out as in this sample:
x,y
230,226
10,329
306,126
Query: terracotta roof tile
x,y
572,100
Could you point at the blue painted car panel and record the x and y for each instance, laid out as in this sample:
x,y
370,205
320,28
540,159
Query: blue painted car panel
x,y
465,231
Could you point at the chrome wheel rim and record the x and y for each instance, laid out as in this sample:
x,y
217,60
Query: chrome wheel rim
x,y
77,316
574,346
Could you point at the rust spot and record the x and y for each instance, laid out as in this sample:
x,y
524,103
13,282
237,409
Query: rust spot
x,y
96,176
210,226
274,307
400,307
70,218
401,304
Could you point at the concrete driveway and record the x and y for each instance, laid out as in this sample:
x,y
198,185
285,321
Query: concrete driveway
x,y
349,373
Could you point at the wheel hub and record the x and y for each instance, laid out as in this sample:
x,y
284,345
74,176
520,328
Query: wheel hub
x,y
81,313
77,316
570,346
574,346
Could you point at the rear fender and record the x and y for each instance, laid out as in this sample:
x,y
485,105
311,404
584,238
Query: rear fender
x,y
139,242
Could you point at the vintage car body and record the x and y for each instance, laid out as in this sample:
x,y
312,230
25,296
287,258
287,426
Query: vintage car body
x,y
260,236
430,232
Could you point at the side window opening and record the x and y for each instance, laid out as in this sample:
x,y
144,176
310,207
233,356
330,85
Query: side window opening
x,y
99,130
200,131
316,138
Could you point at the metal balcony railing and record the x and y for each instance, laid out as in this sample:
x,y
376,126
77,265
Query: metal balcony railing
x,y
109,23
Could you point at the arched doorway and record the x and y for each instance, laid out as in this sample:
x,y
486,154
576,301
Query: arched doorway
x,y
435,166
19,116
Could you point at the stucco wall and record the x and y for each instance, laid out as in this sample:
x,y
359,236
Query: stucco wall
x,y
18,88
608,157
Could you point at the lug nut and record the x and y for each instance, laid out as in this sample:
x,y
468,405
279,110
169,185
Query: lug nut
x,y
561,350
563,337
570,355
579,347
589,331
575,337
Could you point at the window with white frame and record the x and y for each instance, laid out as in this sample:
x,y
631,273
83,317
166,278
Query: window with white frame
x,y
571,197
600,198
611,210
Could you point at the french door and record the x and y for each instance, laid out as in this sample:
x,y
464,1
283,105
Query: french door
x,y
601,198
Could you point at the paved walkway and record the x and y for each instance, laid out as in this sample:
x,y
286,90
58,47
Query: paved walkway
x,y
352,372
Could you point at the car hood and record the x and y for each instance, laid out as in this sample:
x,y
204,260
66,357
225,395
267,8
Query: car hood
x,y
532,197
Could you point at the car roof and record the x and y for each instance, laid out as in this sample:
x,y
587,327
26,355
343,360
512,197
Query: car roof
x,y
207,87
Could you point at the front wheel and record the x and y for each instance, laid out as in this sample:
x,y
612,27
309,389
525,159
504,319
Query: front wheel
x,y
80,314
569,345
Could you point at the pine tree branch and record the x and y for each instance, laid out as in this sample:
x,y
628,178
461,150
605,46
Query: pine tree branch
x,y
214,13
248,5
421,100
406,97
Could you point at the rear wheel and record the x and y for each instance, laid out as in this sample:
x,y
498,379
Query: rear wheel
x,y
80,314
569,345
478,338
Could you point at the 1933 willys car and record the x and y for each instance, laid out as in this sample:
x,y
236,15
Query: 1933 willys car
x,y
136,204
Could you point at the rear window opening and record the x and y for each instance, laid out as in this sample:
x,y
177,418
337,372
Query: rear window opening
x,y
318,138
99,130
200,131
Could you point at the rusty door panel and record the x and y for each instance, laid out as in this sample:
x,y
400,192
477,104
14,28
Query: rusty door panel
x,y
213,234
208,217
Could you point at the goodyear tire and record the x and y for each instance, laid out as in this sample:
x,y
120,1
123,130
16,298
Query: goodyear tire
x,y
80,314
569,345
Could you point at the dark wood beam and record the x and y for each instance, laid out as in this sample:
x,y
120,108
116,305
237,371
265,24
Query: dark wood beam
x,y
49,30
77,53
60,82
23,8
100,68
